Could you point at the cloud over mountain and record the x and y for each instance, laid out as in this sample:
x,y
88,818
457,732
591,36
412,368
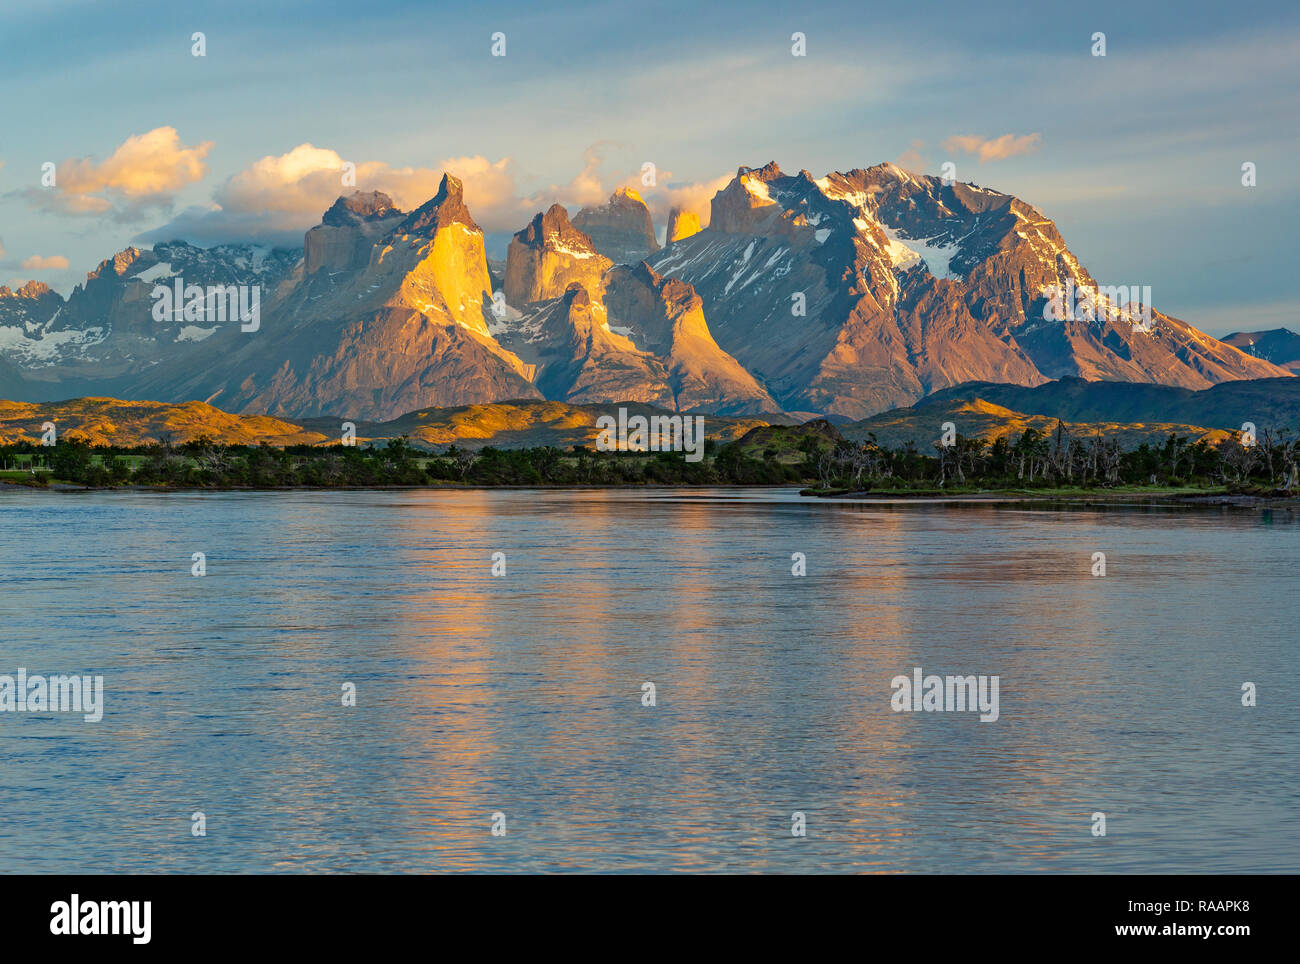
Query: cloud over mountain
x,y
996,148
278,197
144,172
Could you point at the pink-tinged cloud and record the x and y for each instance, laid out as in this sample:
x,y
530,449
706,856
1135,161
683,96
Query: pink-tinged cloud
x,y
586,189
912,159
146,170
592,187
994,149
145,164
55,262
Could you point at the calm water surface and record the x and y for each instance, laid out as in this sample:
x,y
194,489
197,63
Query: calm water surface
x,y
522,694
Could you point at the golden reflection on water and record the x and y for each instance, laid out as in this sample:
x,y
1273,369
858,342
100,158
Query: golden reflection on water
x,y
523,693
879,613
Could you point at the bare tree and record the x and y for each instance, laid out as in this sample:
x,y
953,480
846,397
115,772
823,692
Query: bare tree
x,y
464,460
1237,460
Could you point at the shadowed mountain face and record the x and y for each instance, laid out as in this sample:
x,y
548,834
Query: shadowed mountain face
x,y
647,342
32,305
580,360
347,232
666,316
1281,346
621,229
12,384
105,335
1266,403
844,296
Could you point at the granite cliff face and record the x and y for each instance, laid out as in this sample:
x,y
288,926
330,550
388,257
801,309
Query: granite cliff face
x,y
681,224
342,241
581,361
1002,254
654,347
547,256
622,230
810,296
666,316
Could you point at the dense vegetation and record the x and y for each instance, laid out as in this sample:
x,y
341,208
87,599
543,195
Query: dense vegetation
x,y
794,457
1037,460
204,464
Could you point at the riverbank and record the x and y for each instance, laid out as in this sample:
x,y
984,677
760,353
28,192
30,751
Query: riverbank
x,y
1121,495
1118,495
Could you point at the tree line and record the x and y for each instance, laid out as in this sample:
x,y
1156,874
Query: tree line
x,y
202,463
1060,459
1033,460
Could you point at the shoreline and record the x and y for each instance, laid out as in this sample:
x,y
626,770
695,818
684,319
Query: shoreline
x,y
1070,497
1074,497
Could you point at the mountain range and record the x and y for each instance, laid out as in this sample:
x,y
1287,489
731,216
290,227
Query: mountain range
x,y
1272,403
842,296
1281,346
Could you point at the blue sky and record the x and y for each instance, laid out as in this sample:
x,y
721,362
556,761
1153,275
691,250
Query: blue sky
x,y
1137,155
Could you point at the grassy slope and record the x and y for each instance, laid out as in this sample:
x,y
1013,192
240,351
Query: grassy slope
x,y
1133,413
107,421
983,419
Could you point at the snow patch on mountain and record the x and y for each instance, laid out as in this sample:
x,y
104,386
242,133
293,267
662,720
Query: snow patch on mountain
x,y
506,322
857,199
48,347
158,272
936,255
757,188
